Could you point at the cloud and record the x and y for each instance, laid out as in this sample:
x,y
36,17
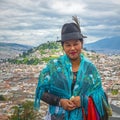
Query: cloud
x,y
33,22
66,8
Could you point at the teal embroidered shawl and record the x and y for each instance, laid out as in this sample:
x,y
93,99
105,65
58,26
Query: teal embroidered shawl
x,y
57,77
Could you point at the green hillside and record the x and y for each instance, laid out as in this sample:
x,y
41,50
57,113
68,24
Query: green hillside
x,y
40,54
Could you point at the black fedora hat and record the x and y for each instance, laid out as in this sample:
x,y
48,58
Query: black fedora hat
x,y
71,31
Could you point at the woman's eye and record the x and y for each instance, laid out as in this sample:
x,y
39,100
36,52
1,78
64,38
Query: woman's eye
x,y
76,44
68,45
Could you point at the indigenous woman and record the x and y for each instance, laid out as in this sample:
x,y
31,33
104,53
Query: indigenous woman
x,y
71,84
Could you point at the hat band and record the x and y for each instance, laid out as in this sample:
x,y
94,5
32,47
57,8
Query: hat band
x,y
72,36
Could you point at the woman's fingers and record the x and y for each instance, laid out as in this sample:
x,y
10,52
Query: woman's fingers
x,y
76,101
67,104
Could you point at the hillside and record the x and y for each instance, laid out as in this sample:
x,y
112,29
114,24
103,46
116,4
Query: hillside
x,y
45,52
39,54
11,50
107,45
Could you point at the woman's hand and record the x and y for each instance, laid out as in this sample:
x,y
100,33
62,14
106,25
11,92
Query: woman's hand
x,y
67,104
76,101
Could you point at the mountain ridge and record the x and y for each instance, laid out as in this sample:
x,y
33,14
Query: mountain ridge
x,y
107,45
10,50
3,44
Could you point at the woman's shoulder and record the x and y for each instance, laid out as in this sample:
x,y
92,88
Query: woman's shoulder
x,y
86,59
88,62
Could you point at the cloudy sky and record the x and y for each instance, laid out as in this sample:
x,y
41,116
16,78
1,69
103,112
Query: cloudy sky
x,y
33,22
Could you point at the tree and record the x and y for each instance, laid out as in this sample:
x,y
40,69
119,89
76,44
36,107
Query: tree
x,y
2,98
24,111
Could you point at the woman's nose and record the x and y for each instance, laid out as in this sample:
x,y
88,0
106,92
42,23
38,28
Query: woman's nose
x,y
72,47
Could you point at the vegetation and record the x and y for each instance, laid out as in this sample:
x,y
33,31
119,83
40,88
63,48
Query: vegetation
x,y
46,59
25,58
114,92
48,45
32,61
24,111
2,98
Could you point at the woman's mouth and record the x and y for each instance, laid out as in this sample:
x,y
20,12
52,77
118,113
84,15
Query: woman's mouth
x,y
73,53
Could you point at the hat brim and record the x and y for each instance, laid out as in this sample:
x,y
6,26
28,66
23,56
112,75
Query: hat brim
x,y
72,36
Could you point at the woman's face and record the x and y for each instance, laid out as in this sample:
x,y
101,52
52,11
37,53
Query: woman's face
x,y
73,48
